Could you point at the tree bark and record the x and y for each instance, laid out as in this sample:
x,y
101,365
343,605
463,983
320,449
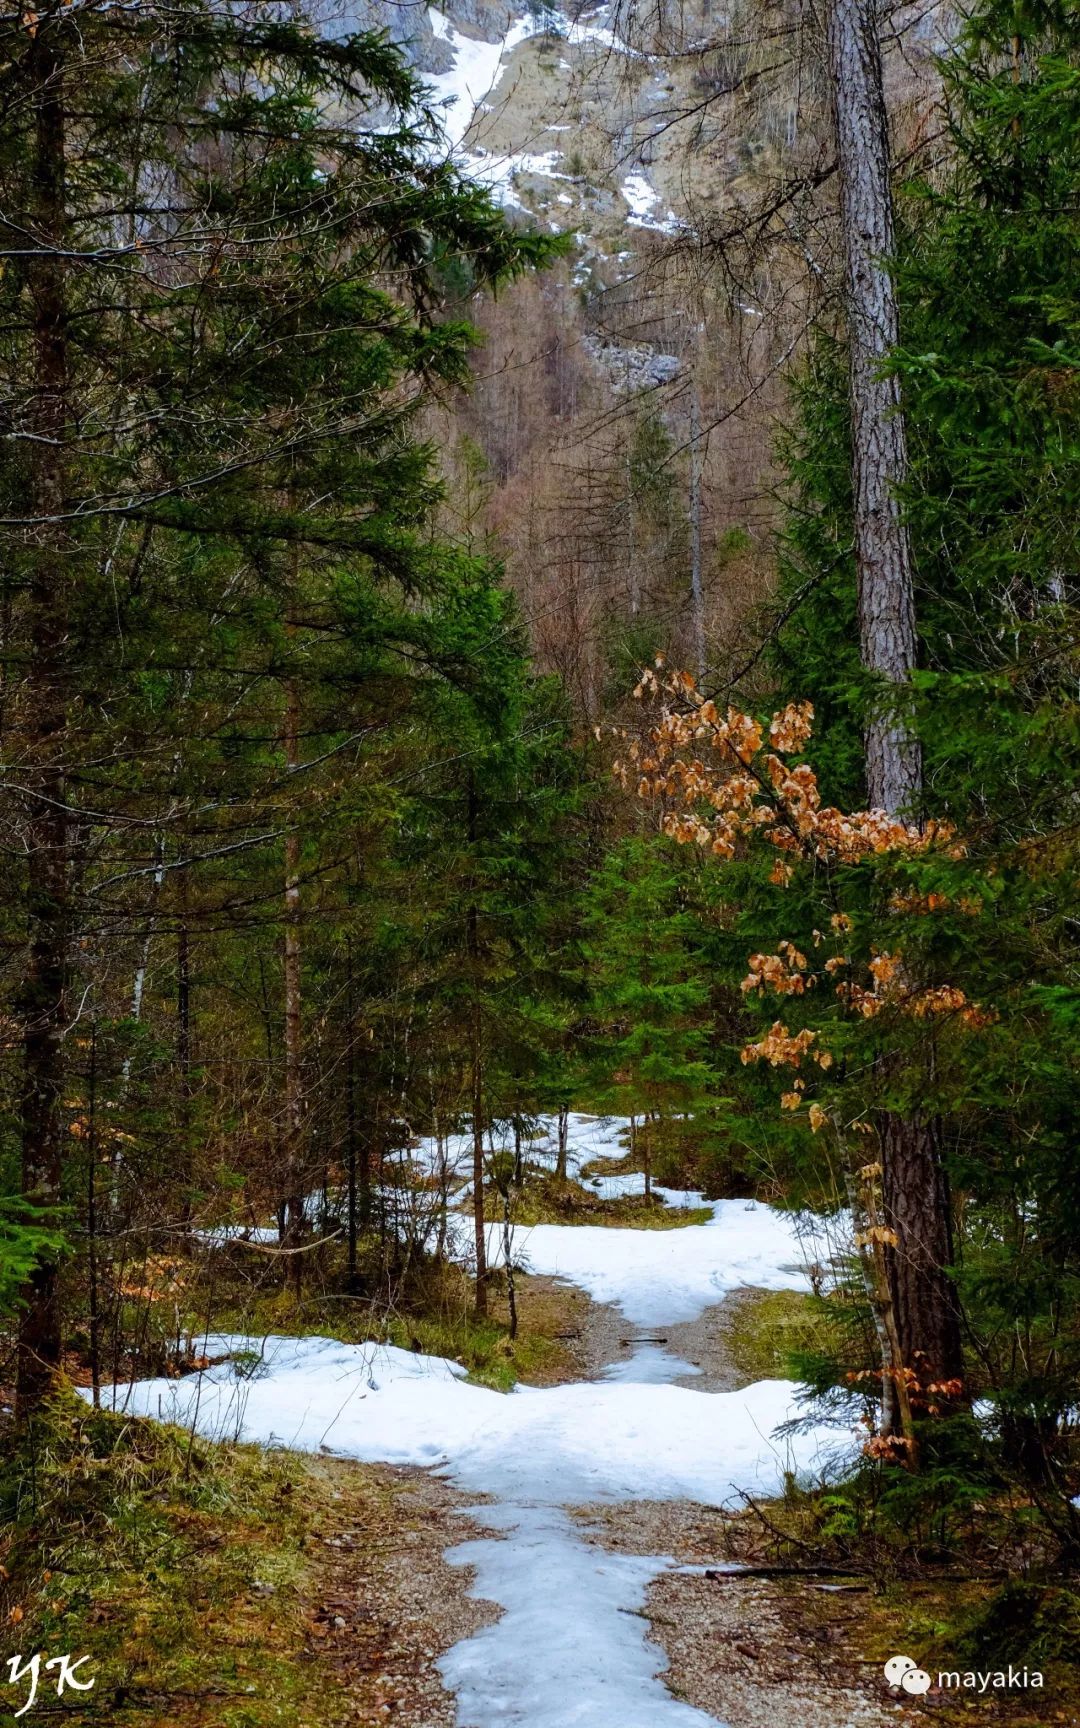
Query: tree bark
x,y
697,591
183,1049
350,1115
293,1148
479,1234
917,1205
563,1143
42,1004
94,1314
915,1194
878,442
472,937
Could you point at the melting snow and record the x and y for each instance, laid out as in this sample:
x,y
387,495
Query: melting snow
x,y
569,1647
661,1277
639,195
474,74
572,1612
642,200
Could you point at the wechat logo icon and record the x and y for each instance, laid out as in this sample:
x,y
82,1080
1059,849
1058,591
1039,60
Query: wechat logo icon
x,y
902,1671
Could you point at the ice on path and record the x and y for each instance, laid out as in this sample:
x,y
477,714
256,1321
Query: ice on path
x,y
570,1650
559,1445
570,1646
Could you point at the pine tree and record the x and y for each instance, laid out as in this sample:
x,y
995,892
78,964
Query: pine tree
x,y
221,307
987,357
644,949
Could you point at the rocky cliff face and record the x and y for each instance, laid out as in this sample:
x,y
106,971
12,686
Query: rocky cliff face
x,y
627,118
647,130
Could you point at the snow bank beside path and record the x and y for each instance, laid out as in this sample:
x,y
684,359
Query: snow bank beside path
x,y
662,1277
571,1645
560,1445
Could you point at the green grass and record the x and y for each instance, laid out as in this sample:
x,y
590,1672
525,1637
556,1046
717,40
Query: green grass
x,y
177,1567
434,1316
766,1329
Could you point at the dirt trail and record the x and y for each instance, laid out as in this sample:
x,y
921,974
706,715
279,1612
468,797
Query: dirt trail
x,y
752,1653
385,1604
596,1335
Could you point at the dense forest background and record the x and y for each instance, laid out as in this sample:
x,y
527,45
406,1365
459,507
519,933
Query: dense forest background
x,y
442,687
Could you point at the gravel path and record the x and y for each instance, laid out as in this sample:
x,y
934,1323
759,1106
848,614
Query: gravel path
x,y
751,1653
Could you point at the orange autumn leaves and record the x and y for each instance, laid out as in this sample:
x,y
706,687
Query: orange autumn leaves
x,y
749,786
725,778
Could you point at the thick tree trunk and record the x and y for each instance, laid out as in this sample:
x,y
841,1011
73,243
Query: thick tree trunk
x,y
878,443
916,1199
42,1003
917,1205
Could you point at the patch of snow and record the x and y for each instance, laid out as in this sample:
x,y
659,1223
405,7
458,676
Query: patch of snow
x,y
572,1612
639,195
547,1446
551,1585
662,1277
497,171
651,1365
474,74
631,1185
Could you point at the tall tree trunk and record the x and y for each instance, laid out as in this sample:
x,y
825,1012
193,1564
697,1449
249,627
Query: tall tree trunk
x,y
350,1114
183,1049
42,1004
878,442
633,582
915,1194
508,1262
293,1138
94,1314
564,1142
472,936
697,591
479,1234
917,1205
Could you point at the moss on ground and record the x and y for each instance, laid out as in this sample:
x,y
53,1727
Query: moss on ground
x,y
179,1568
550,1200
765,1329
435,1315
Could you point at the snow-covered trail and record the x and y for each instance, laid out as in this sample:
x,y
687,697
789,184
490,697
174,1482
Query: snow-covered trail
x,y
571,1648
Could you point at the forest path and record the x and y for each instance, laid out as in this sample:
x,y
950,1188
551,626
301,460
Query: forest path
x,y
594,1506
749,1652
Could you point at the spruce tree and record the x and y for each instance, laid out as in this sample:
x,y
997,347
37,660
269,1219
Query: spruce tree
x,y
224,241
